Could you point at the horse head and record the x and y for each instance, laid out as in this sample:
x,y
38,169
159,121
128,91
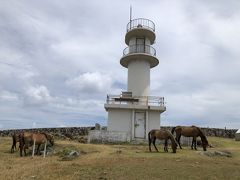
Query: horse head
x,y
50,138
204,143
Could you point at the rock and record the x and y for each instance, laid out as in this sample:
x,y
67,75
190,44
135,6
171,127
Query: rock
x,y
97,126
216,153
74,154
82,140
67,154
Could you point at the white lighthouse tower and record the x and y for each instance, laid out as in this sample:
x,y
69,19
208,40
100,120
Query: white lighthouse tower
x,y
133,112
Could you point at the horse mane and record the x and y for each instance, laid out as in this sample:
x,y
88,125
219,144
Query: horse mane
x,y
201,134
173,129
45,134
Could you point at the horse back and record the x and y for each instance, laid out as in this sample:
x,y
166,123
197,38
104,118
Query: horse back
x,y
189,131
161,134
39,138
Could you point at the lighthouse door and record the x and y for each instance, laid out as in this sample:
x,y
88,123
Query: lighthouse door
x,y
139,124
140,45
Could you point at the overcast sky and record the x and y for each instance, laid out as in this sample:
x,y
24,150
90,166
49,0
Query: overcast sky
x,y
59,60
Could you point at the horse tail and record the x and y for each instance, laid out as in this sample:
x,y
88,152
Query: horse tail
x,y
173,129
149,136
21,142
149,140
13,143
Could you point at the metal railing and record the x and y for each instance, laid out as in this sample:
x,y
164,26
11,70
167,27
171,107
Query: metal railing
x,y
139,48
136,100
141,23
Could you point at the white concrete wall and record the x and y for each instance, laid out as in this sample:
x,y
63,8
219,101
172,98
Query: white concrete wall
x,y
101,136
119,120
153,120
139,77
139,73
237,136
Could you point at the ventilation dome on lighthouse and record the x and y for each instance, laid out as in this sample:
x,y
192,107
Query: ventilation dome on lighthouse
x,y
134,111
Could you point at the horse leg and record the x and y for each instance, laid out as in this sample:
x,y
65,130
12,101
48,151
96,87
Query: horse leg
x,y
18,147
149,144
38,152
24,149
178,140
195,143
13,145
192,143
166,145
154,140
21,148
12,149
21,143
25,146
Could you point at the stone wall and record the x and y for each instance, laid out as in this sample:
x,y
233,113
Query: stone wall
x,y
73,132
66,132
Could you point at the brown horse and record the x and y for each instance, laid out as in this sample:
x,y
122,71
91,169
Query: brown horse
x,y
162,135
190,131
27,139
15,140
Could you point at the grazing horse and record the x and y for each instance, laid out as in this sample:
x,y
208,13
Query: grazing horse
x,y
15,139
162,135
190,131
27,139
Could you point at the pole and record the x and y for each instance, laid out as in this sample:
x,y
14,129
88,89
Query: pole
x,y
130,13
130,17
33,147
45,147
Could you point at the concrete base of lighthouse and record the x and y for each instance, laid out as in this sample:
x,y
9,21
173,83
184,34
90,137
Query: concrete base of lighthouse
x,y
128,122
135,120
130,119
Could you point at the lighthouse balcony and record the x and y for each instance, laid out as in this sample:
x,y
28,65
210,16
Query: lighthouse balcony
x,y
139,52
135,102
139,48
141,23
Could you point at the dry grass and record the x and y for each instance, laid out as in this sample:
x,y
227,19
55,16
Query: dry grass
x,y
122,162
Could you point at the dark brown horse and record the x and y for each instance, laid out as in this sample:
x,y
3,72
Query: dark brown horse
x,y
190,131
15,140
27,140
161,135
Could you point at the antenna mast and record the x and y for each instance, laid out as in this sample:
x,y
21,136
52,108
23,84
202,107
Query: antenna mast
x,y
130,13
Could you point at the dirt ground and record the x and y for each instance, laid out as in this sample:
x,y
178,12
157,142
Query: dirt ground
x,y
126,161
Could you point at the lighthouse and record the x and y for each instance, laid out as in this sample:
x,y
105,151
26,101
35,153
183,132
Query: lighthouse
x,y
133,113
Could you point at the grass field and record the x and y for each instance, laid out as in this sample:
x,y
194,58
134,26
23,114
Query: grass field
x,y
122,162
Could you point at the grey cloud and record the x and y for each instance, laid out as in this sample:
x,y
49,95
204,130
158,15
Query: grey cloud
x,y
51,45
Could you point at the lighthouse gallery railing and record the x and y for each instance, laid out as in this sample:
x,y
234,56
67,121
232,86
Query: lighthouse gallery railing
x,y
139,48
136,100
141,23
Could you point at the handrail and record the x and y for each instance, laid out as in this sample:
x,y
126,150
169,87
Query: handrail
x,y
141,23
139,48
141,100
